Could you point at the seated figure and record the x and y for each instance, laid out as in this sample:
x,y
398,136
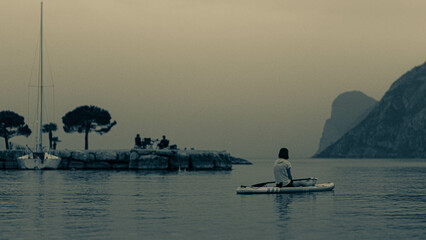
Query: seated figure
x,y
164,143
138,142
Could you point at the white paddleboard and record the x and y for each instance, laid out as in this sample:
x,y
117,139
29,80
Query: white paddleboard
x,y
274,190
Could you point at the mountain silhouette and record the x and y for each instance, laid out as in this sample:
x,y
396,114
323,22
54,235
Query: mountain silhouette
x,y
348,109
395,128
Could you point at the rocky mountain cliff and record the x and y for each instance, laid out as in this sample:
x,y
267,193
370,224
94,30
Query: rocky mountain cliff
x,y
395,128
348,109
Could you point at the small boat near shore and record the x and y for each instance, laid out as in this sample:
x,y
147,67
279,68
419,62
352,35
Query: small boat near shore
x,y
39,160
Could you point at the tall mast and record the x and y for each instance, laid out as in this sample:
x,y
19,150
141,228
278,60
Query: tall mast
x,y
40,140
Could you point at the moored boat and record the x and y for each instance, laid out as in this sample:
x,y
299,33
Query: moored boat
x,y
39,159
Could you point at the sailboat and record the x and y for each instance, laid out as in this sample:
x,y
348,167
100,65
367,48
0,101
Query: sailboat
x,y
39,159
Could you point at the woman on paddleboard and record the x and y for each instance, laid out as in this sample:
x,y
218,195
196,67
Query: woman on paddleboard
x,y
282,170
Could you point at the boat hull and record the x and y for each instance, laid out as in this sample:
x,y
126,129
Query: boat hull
x,y
36,162
276,190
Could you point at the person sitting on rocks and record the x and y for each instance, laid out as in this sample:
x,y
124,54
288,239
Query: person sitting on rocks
x,y
147,143
138,142
164,143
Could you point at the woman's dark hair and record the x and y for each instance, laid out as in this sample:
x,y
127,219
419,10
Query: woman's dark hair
x,y
283,153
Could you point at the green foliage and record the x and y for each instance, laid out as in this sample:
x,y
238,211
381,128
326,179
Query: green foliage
x,y
11,125
85,119
49,127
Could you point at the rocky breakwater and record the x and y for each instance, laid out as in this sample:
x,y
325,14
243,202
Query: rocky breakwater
x,y
142,159
135,159
93,160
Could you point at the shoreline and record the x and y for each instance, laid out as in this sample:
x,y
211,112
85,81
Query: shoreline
x,y
133,159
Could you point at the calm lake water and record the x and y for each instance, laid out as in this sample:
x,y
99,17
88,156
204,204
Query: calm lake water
x,y
373,199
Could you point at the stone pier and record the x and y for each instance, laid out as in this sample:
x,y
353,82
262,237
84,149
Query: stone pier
x,y
134,159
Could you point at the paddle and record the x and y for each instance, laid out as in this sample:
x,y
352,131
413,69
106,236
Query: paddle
x,y
264,183
261,184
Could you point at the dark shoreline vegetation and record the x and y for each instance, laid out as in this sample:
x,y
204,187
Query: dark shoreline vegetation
x,y
83,119
86,119
134,159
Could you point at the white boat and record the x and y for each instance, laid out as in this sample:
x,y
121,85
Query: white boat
x,y
39,159
36,161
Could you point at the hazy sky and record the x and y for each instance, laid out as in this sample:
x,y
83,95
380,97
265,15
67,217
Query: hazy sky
x,y
245,76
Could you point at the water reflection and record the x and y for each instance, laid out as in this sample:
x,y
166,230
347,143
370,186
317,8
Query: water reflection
x,y
296,212
377,200
282,202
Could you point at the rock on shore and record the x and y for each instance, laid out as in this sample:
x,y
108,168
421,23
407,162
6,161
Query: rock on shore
x,y
239,161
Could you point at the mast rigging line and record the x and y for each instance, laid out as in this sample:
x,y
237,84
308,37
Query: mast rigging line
x,y
40,143
41,108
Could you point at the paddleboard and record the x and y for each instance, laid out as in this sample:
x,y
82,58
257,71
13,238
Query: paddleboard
x,y
275,190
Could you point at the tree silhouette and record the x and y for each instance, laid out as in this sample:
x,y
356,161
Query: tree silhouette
x,y
50,128
11,125
85,119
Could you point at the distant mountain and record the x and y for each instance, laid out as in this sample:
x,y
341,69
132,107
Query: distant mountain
x,y
347,110
395,128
